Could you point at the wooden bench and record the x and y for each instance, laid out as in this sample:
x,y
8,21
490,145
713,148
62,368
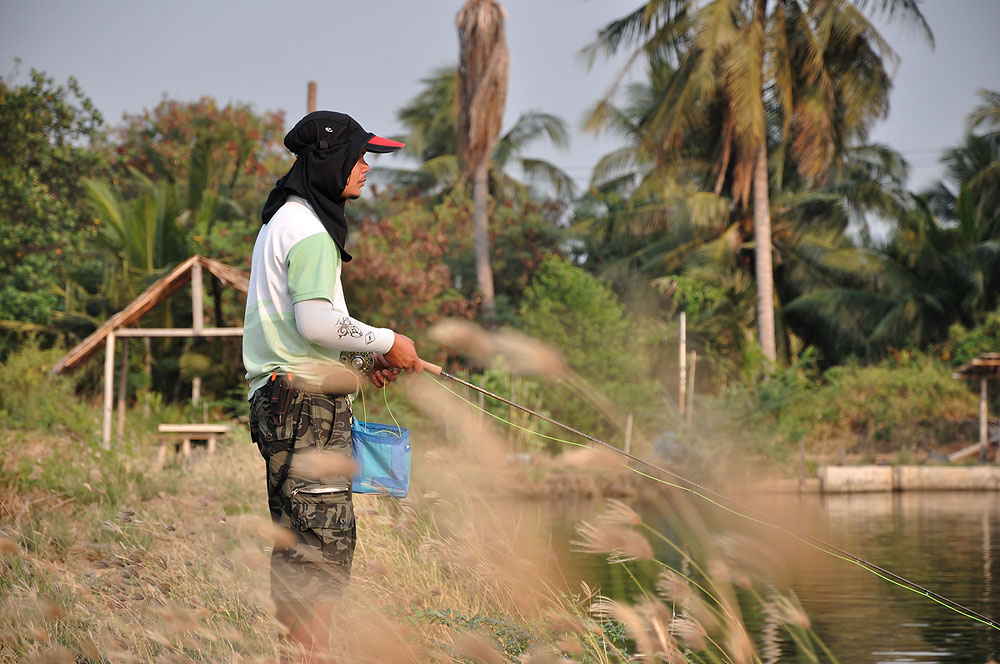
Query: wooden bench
x,y
187,433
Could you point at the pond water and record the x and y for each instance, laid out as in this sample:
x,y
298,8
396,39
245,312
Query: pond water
x,y
946,542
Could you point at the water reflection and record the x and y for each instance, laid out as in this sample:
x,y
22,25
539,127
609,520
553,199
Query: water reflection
x,y
944,541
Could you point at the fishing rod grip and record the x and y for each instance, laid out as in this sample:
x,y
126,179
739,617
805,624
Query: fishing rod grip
x,y
430,367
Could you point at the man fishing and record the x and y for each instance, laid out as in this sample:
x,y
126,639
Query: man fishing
x,y
296,326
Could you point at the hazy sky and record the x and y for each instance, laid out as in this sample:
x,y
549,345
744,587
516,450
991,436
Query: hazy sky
x,y
368,58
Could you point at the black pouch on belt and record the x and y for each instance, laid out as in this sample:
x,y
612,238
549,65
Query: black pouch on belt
x,y
282,394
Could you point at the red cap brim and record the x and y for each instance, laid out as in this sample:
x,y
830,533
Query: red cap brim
x,y
379,144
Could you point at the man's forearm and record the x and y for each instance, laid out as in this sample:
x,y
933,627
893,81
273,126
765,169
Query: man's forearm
x,y
319,323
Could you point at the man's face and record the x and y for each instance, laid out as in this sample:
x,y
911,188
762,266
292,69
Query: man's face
x,y
357,180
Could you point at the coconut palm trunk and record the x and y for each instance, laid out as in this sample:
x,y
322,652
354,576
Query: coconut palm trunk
x,y
762,254
482,95
480,229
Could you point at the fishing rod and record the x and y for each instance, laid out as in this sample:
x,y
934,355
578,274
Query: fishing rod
x,y
735,507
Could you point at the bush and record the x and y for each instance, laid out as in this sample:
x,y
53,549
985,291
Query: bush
x,y
900,404
567,307
31,397
965,345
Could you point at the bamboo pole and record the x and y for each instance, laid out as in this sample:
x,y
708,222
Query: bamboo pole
x,y
109,388
690,386
122,384
159,332
683,365
147,344
197,305
311,97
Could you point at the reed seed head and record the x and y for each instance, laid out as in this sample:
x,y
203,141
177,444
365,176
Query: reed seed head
x,y
316,464
8,546
623,544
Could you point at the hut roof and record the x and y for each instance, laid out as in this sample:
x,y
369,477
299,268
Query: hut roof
x,y
987,364
152,296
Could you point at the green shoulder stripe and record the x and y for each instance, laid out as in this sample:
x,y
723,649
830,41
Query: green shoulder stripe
x,y
312,268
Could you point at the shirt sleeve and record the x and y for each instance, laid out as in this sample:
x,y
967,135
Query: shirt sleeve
x,y
312,268
319,323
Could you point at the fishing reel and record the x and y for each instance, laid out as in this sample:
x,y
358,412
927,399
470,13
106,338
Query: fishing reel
x,y
363,363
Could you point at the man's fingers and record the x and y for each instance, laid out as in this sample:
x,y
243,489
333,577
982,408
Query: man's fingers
x,y
382,377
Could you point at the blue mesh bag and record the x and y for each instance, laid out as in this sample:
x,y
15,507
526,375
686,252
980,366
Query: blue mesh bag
x,y
382,455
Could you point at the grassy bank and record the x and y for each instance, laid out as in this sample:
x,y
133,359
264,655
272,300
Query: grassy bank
x,y
106,558
897,409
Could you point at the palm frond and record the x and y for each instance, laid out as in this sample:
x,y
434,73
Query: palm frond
x,y
908,11
987,113
550,174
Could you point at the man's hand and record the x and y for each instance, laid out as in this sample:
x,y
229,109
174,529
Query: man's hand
x,y
382,374
403,355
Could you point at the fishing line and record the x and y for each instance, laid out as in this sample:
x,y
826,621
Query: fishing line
x,y
364,410
713,497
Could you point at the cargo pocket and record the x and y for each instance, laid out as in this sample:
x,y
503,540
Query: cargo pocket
x,y
324,515
268,436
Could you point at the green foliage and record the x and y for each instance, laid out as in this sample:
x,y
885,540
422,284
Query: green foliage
x,y
512,639
523,234
907,402
47,132
399,277
32,398
231,150
138,234
414,260
575,312
963,345
87,474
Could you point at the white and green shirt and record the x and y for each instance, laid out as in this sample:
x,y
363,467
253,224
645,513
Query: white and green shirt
x,y
295,260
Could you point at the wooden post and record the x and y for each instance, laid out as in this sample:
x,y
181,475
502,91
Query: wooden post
x,y
690,386
628,433
197,307
147,345
197,322
683,365
109,388
984,434
122,384
311,97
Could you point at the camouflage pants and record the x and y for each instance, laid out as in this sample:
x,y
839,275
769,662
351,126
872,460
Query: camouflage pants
x,y
318,512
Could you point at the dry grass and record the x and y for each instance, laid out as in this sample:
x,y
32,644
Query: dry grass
x,y
106,558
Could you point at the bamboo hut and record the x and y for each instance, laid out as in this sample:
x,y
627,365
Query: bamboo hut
x,y
123,325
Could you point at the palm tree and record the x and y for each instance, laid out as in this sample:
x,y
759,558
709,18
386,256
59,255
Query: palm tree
x,y
431,122
140,236
940,266
972,186
794,82
482,94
